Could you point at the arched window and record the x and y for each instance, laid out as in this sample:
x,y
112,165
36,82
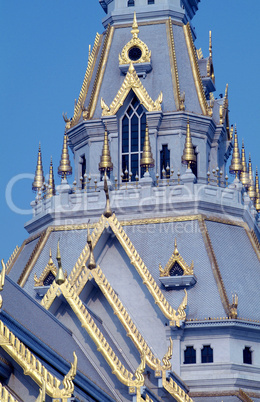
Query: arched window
x,y
207,354
130,3
164,162
133,133
189,355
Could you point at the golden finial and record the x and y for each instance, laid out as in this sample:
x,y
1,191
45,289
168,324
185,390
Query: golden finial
x,y
236,164
188,156
257,191
39,177
92,262
147,156
60,275
244,177
251,188
65,169
176,251
51,184
105,159
135,30
108,211
210,44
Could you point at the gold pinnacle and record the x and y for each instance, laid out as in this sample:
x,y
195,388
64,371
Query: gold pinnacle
x,y
257,192
188,156
244,177
105,159
236,164
51,184
251,188
65,168
39,177
147,156
60,279
135,30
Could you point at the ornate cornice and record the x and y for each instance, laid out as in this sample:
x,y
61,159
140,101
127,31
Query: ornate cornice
x,y
195,69
34,368
133,82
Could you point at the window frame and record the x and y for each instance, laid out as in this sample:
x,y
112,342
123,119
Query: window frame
x,y
207,356
191,347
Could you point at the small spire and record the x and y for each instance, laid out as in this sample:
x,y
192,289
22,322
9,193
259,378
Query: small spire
x,y
147,156
257,191
244,177
92,262
51,184
60,279
107,212
210,44
65,168
236,164
188,156
39,177
251,188
135,30
176,251
105,159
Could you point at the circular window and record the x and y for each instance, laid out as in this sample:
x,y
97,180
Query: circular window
x,y
135,53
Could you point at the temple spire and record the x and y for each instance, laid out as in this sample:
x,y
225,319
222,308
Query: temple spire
x,y
65,168
105,159
51,184
244,177
251,188
257,191
39,176
188,156
147,156
236,164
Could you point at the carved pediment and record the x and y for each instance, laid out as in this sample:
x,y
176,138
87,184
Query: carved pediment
x,y
176,266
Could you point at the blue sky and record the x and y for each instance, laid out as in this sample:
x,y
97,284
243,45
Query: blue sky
x,y
44,51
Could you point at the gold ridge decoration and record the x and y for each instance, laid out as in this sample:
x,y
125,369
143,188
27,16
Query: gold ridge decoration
x,y
176,258
174,389
179,100
5,396
133,82
88,114
195,69
117,367
85,86
12,258
167,357
50,268
135,42
210,68
30,364
148,280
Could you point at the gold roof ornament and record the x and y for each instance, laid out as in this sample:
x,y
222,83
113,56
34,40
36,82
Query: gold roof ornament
x,y
188,156
233,307
60,278
105,163
39,177
2,281
251,188
65,168
257,191
51,184
135,50
244,176
176,262
49,271
236,164
107,212
147,160
92,263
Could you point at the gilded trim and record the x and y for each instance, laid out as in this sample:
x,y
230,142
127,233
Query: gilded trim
x,y
148,280
100,73
30,365
5,396
33,257
174,67
175,390
195,69
12,258
86,83
214,265
133,82
254,242
117,367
